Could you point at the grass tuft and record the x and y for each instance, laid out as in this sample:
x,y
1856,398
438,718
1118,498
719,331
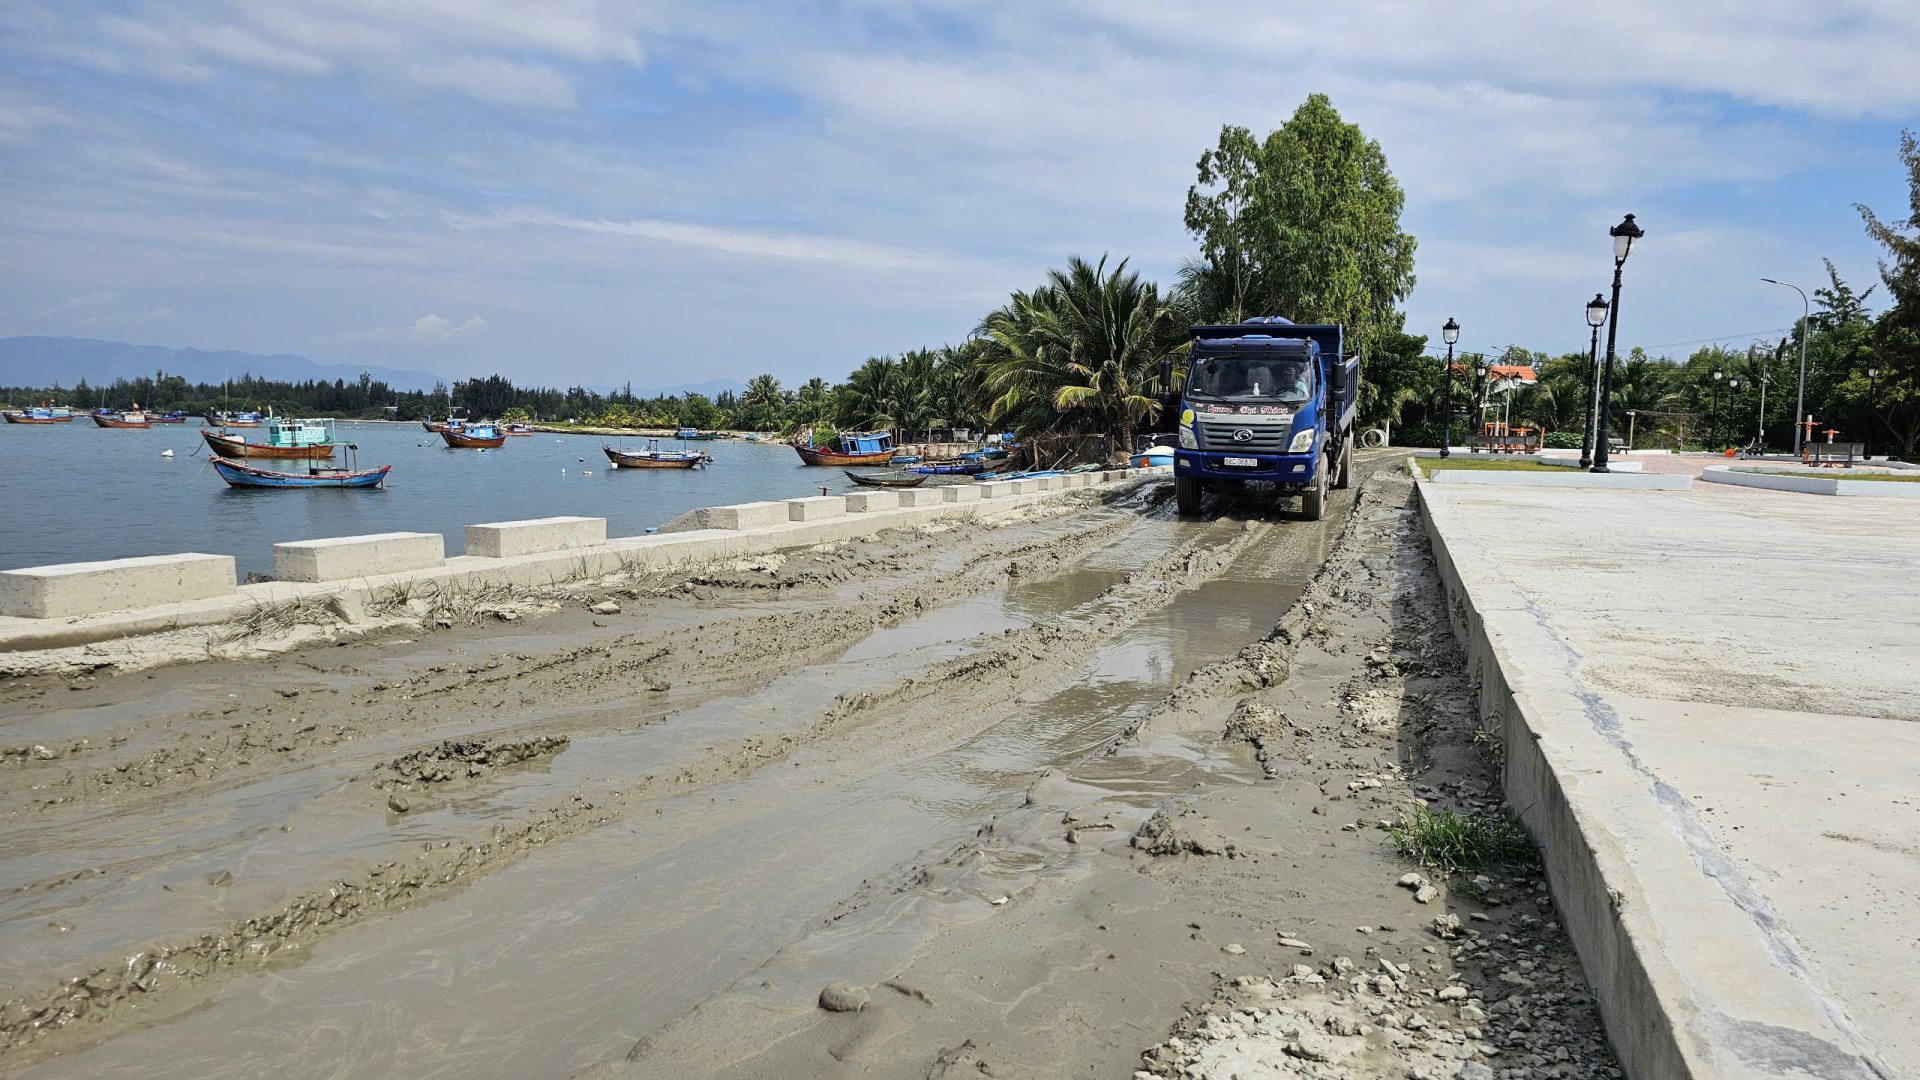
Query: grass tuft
x,y
1454,843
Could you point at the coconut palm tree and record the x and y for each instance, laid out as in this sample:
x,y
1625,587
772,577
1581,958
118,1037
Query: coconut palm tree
x,y
867,398
763,403
1080,352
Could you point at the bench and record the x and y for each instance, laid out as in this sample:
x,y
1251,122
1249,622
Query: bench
x,y
1504,444
1843,454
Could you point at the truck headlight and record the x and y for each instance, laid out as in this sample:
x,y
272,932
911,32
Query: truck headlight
x,y
1302,442
1187,441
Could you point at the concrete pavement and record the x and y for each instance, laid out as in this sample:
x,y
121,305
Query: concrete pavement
x,y
1708,702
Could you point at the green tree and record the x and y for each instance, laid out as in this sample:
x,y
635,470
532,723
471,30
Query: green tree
x,y
1896,334
763,404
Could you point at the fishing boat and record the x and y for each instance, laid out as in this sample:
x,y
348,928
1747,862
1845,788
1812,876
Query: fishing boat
x,y
34,415
286,439
906,459
121,418
175,417
1152,457
687,434
961,466
240,474
848,448
884,480
234,419
519,427
655,458
474,437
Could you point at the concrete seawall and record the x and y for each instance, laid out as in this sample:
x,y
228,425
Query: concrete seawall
x,y
124,598
1725,902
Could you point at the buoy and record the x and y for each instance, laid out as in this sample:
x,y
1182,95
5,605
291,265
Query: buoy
x,y
583,459
586,472
613,464
166,453
563,472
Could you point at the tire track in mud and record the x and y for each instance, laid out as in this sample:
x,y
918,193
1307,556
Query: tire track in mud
x,y
152,979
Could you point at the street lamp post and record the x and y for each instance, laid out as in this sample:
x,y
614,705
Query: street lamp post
x,y
1596,315
1624,234
1449,333
1800,399
1713,435
1631,416
1873,374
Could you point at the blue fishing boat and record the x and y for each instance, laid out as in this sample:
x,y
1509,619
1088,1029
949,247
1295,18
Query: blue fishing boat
x,y
952,467
240,474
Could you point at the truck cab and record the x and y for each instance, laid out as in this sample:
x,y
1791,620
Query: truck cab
x,y
1266,402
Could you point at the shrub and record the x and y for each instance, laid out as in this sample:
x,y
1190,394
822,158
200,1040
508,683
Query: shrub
x,y
1453,843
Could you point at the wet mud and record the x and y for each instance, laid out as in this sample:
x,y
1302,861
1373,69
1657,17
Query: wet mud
x,y
925,766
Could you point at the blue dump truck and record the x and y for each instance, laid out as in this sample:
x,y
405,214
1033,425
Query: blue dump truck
x,y
1266,402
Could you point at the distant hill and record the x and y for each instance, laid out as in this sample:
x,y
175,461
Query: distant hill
x,y
43,361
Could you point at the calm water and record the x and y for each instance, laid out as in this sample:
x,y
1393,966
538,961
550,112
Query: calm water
x,y
76,492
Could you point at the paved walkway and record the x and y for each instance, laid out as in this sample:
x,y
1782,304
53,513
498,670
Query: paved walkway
x,y
1710,702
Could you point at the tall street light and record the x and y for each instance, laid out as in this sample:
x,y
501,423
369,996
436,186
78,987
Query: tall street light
x,y
1596,316
1624,234
1800,400
1713,437
1873,375
1449,333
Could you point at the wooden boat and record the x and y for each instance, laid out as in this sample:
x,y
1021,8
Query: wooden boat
x,y
474,437
33,416
868,448
883,480
519,429
287,440
687,434
241,474
174,417
655,458
950,467
121,418
233,419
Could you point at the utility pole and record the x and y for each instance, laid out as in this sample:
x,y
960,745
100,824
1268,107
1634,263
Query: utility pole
x,y
1800,400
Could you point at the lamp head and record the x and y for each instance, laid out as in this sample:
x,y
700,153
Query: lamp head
x,y
1873,373
1450,333
1718,374
1597,310
1624,234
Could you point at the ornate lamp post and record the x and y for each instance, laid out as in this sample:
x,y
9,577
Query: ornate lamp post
x,y
1624,234
1713,436
1449,333
1800,399
1596,316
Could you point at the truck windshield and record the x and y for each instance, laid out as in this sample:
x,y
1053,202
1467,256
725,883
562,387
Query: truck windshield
x,y
1234,378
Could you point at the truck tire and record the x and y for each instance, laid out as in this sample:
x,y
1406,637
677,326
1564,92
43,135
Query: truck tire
x,y
1313,501
1343,465
1186,495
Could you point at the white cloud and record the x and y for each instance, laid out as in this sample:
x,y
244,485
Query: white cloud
x,y
502,82
86,300
434,330
236,43
730,241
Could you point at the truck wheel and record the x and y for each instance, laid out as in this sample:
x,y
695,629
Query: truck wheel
x,y
1343,471
1313,502
1186,495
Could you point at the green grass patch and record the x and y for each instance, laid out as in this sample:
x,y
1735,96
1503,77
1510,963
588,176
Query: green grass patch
x,y
1506,464
1454,843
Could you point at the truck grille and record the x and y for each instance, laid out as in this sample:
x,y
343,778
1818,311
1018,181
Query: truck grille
x,y
1267,438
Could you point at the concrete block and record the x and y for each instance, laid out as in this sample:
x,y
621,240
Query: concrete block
x,y
343,558
995,489
959,493
918,497
1810,484
861,502
68,589
1050,483
816,508
1514,478
753,515
1021,487
504,539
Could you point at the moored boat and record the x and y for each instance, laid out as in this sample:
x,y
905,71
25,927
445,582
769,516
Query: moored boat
x,y
687,434
33,415
655,458
121,418
286,439
519,427
234,419
885,480
963,466
847,448
474,437
174,417
241,474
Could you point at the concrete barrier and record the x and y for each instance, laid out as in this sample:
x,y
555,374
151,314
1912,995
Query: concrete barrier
x,y
995,489
1810,485
504,539
753,515
1518,478
959,493
861,502
55,592
816,507
342,558
1022,487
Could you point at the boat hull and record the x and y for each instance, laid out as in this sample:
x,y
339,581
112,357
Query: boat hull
x,y
233,446
111,422
814,455
949,468
865,480
239,474
21,418
647,460
462,441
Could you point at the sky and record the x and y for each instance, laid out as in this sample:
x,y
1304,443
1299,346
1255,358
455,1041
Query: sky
x,y
601,191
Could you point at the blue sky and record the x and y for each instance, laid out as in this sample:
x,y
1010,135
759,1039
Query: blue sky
x,y
603,191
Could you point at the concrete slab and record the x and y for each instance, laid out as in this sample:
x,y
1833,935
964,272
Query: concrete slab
x,y
816,507
343,558
996,489
1022,487
504,539
917,496
69,589
753,515
861,502
1709,723
1570,479
1808,484
960,493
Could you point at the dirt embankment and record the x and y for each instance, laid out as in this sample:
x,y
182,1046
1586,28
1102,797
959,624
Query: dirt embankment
x,y
1262,922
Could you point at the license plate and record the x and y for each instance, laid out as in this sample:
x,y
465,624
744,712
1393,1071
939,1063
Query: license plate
x,y
1240,462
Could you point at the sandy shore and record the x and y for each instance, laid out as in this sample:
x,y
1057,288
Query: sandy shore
x,y
986,780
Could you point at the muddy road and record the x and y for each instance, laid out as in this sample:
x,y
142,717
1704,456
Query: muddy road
x,y
634,830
